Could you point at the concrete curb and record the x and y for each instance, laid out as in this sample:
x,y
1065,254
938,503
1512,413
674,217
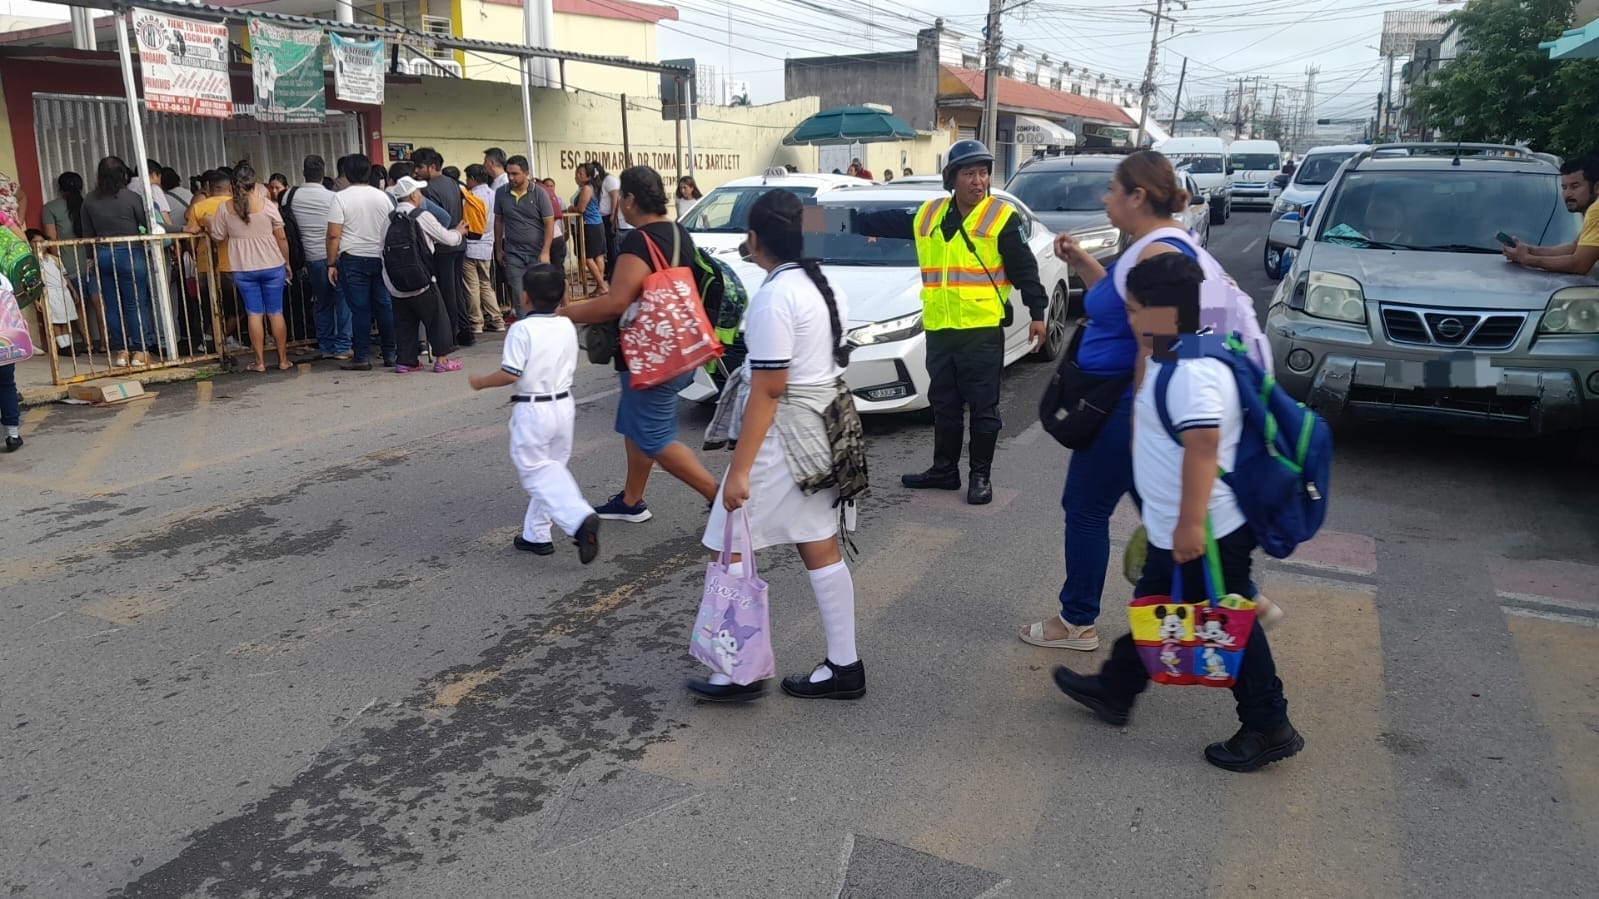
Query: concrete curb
x,y
40,396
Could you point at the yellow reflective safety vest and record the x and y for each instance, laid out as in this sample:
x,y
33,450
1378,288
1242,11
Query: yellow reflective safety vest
x,y
956,291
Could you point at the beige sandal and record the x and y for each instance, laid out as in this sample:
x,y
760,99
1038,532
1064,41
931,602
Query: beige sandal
x,y
1074,638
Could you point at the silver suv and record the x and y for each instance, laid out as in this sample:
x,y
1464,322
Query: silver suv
x,y
1399,303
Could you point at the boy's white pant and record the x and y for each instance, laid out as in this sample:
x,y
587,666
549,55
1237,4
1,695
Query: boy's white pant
x,y
541,444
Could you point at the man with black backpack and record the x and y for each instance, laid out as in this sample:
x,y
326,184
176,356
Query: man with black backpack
x,y
409,237
449,263
305,213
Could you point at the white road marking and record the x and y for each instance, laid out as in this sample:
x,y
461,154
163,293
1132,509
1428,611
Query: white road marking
x,y
1583,620
1250,246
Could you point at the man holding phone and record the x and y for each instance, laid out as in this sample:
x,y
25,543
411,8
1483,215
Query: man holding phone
x,y
1579,185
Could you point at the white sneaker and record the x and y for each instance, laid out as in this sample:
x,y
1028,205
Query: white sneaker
x,y
233,344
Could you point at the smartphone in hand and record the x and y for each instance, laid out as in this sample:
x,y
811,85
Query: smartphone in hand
x,y
1505,239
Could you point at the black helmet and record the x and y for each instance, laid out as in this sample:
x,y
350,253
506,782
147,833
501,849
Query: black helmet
x,y
963,153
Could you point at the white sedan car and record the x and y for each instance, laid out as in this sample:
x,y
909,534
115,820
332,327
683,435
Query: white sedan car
x,y
881,278
720,221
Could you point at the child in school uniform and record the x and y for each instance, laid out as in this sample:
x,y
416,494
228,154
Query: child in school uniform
x,y
540,358
1182,501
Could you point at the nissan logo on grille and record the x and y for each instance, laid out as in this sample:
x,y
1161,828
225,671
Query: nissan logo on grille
x,y
1451,328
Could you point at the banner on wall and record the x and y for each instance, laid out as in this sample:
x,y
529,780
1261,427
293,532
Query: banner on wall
x,y
184,65
287,68
358,70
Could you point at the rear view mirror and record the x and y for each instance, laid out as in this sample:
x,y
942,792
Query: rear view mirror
x,y
1285,233
1231,169
1197,200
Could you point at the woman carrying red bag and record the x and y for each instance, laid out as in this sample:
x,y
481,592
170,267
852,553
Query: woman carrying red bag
x,y
647,418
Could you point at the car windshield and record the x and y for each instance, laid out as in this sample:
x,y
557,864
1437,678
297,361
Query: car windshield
x,y
1455,210
1071,190
1256,162
1320,169
842,247
1198,163
726,210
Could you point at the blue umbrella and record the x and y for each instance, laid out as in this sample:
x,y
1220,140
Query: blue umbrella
x,y
849,125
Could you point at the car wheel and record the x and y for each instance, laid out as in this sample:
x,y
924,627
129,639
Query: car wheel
x,y
1274,262
1056,321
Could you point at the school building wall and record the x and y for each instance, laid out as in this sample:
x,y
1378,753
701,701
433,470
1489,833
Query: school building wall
x,y
491,21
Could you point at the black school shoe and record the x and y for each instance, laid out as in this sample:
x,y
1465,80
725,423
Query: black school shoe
x,y
1251,750
1087,690
587,539
537,549
706,691
13,444
847,682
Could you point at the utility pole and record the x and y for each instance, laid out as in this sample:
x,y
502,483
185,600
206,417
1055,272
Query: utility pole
x,y
1238,111
991,78
1276,123
1177,104
1148,87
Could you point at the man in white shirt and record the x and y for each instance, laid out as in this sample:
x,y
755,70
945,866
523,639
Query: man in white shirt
x,y
309,204
357,220
540,358
419,306
611,215
482,301
494,161
150,186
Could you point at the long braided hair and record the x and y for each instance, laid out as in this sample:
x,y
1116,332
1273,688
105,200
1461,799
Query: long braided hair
x,y
243,187
777,219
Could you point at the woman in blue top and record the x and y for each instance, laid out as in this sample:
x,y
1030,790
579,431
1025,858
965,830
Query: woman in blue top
x,y
587,202
1144,195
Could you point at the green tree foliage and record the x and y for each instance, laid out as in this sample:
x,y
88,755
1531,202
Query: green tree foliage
x,y
1502,88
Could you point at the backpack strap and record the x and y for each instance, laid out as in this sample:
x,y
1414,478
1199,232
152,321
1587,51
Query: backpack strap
x,y
1137,249
1162,383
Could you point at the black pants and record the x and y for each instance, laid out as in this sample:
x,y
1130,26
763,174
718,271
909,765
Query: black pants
x,y
1258,692
558,252
449,270
427,310
965,367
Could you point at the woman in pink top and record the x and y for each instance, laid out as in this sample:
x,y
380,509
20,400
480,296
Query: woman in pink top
x,y
258,252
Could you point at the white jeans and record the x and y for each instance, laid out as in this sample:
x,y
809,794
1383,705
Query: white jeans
x,y
541,444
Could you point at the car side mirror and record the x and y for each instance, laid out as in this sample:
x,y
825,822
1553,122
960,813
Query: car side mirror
x,y
1231,169
1285,232
1196,200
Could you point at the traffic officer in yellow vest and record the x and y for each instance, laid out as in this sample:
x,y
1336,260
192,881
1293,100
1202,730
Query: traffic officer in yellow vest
x,y
972,253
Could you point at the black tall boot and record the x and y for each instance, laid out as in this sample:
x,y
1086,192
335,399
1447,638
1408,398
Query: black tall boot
x,y
981,492
946,471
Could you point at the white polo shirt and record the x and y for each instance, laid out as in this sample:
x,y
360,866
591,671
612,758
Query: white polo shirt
x,y
1203,394
541,351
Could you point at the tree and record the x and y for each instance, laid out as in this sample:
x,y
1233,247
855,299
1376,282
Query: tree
x,y
1502,88
740,100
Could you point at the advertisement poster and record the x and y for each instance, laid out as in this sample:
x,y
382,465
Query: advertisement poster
x,y
185,65
287,65
358,70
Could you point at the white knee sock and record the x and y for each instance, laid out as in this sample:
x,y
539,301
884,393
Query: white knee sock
x,y
63,341
735,569
835,597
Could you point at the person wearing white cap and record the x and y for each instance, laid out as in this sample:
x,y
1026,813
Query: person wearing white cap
x,y
409,236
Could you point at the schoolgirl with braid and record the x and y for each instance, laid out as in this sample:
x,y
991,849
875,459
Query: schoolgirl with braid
x,y
794,329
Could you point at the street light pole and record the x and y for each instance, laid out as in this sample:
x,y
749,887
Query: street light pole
x,y
991,78
1177,103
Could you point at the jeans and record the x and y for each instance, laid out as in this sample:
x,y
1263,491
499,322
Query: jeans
x,y
331,312
10,400
1258,692
515,266
361,280
1096,478
125,285
261,290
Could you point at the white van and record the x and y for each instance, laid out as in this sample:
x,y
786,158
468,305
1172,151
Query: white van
x,y
1205,158
1253,167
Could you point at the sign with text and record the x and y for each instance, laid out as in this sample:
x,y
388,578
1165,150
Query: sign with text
x,y
660,160
358,70
184,64
287,65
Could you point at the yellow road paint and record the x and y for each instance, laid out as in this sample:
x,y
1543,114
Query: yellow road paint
x,y
1322,823
449,695
199,423
33,418
891,573
1565,690
108,441
125,610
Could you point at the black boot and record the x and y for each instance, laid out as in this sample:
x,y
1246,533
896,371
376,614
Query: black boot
x,y
946,471
847,682
1250,750
981,491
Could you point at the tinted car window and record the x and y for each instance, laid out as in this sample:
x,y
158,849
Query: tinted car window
x,y
1454,210
845,248
1257,162
1070,190
1198,163
727,210
1316,170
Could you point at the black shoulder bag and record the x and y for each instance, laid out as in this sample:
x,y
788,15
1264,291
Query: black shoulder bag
x,y
1076,404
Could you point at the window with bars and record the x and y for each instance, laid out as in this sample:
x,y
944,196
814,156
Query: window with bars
x,y
438,26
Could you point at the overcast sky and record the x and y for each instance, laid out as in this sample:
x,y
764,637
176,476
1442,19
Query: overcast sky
x,y
1222,39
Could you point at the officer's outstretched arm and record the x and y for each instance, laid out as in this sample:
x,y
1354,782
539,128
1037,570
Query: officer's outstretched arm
x,y
896,223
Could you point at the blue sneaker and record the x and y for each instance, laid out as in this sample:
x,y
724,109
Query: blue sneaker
x,y
614,509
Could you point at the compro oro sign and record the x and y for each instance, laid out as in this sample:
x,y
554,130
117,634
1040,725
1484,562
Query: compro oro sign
x,y
185,65
1031,132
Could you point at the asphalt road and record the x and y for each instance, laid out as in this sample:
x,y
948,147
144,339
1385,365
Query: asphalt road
x,y
266,636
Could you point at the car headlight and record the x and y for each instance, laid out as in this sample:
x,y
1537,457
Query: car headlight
x,y
1098,239
1283,207
887,332
1574,310
1337,297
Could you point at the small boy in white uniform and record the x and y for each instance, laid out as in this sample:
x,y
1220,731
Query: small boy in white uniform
x,y
540,358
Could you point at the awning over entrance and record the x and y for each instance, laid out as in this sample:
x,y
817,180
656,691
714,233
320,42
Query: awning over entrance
x,y
1031,132
1578,43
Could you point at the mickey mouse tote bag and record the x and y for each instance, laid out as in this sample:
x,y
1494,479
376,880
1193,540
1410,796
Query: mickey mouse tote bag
x,y
733,631
1193,642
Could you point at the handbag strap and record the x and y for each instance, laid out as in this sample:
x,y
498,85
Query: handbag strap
x,y
657,258
1213,576
749,543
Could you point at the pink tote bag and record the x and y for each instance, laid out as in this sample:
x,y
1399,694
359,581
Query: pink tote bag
x,y
733,631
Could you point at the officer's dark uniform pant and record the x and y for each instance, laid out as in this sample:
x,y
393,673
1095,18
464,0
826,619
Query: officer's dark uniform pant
x,y
965,366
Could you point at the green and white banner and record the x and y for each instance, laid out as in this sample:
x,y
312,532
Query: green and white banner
x,y
287,63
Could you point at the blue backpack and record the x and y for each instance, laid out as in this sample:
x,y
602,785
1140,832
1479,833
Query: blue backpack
x,y
1280,476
